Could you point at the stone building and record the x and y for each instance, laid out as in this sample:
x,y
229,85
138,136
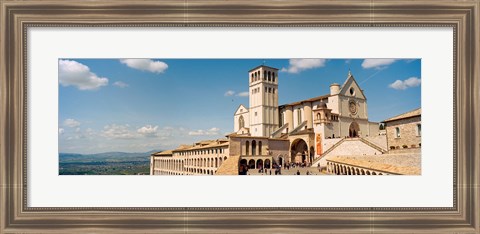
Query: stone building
x,y
403,157
308,124
404,131
307,131
220,157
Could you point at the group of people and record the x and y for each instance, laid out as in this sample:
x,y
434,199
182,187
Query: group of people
x,y
243,170
296,164
276,169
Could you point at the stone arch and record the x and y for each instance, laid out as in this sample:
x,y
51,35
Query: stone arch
x,y
241,122
254,147
268,163
357,171
354,130
259,163
374,173
312,154
259,147
224,158
243,162
251,163
280,160
298,149
368,172
349,172
247,147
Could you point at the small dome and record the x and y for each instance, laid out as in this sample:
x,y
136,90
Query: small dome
x,y
322,105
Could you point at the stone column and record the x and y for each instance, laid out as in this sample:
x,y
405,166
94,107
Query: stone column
x,y
307,111
289,117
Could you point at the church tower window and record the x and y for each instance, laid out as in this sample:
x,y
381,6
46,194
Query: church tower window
x,y
397,132
299,116
241,122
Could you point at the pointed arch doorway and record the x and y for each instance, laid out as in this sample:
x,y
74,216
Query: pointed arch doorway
x,y
354,130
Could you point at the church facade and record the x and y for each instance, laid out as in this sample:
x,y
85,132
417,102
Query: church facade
x,y
313,125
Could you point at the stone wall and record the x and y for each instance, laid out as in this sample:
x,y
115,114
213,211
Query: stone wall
x,y
408,133
278,147
380,141
328,143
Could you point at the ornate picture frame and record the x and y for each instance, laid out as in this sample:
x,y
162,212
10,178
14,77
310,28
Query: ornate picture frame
x,y
17,16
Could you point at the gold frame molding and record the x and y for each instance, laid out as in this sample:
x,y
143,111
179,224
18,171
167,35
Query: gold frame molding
x,y
17,16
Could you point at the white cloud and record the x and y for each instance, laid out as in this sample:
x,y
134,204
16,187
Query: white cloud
x,y
76,74
71,123
209,132
148,131
377,63
61,131
145,65
120,84
298,65
243,94
229,93
408,83
118,132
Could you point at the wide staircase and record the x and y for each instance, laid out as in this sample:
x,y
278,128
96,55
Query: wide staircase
x,y
229,166
317,160
351,146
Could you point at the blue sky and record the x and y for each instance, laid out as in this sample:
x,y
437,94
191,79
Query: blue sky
x,y
137,105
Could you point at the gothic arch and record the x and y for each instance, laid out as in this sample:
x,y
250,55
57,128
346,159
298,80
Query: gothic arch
x,y
241,122
354,129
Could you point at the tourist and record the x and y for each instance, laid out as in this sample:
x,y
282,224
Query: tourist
x,y
298,172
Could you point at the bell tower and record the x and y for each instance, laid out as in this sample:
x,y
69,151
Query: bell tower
x,y
263,90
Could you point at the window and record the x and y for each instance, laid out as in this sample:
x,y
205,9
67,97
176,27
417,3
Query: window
x,y
241,122
419,129
255,113
270,90
282,115
299,116
397,132
273,77
266,89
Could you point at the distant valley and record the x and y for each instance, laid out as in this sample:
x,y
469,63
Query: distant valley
x,y
109,163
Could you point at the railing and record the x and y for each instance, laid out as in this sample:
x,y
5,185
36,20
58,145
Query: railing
x,y
367,142
329,150
299,127
278,130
